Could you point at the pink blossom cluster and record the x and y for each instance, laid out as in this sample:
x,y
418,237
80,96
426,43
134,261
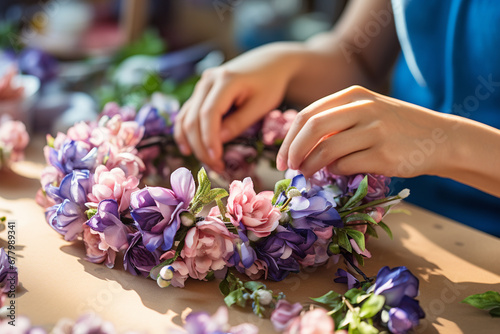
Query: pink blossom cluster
x,y
111,142
13,141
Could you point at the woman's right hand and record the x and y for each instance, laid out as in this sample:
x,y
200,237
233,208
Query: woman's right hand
x,y
253,83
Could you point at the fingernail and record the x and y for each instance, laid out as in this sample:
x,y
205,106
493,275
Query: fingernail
x,y
211,154
183,148
224,135
279,163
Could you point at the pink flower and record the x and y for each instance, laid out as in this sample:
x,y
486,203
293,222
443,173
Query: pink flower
x,y
113,184
13,139
130,134
181,273
254,211
257,270
284,314
94,253
276,125
112,108
50,175
80,131
207,247
316,321
43,200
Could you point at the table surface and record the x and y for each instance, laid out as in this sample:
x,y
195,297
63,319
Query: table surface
x,y
451,261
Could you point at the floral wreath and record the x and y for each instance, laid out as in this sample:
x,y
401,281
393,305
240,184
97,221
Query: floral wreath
x,y
91,192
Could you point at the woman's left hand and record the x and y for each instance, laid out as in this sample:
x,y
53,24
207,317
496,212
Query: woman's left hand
x,y
356,130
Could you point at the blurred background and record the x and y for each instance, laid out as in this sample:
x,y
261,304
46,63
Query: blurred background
x,y
62,60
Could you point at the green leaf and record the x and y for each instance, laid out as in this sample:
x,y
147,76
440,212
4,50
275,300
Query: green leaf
x,y
495,312
370,230
224,287
484,301
359,195
253,286
351,319
344,240
279,187
353,294
331,298
366,328
359,258
371,306
358,236
360,217
203,183
235,297
386,229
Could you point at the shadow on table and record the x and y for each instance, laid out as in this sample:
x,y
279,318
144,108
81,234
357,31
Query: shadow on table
x,y
15,186
199,295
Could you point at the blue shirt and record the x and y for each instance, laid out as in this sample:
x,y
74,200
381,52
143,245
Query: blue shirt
x,y
450,62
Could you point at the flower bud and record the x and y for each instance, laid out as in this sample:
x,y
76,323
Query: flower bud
x,y
293,193
187,219
404,193
162,283
265,297
284,218
167,273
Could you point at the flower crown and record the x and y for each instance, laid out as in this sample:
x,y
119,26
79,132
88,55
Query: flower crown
x,y
91,192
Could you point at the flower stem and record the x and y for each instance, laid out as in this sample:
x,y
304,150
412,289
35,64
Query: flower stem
x,y
355,267
368,205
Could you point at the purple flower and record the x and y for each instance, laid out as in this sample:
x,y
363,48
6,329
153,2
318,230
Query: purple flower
x,y
8,275
203,323
284,313
282,251
378,185
156,210
316,206
68,215
155,124
137,259
73,155
346,278
107,222
38,63
394,284
244,256
406,316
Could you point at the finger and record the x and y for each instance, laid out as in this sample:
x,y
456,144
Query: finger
x,y
247,115
334,148
217,103
179,135
191,121
340,98
321,126
364,161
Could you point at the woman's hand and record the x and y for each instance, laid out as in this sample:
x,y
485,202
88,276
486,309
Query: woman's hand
x,y
253,83
357,130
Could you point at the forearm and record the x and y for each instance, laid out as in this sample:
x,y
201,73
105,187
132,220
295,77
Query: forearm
x,y
350,54
473,154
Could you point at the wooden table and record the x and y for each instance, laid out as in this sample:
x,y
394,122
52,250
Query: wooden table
x,y
452,261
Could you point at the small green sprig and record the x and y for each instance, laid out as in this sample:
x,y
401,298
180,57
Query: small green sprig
x,y
237,292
